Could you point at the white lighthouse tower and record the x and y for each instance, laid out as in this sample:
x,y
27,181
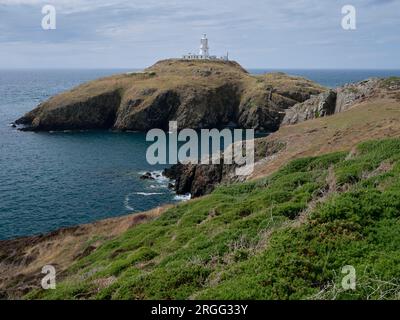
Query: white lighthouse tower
x,y
204,47
204,53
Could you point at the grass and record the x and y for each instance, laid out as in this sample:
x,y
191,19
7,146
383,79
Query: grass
x,y
286,236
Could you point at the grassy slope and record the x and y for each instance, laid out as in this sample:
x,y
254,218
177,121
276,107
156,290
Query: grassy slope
x,y
22,259
372,119
284,236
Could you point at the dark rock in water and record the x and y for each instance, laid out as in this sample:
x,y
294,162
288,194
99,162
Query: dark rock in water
x,y
201,179
183,176
13,125
172,172
171,186
198,179
147,176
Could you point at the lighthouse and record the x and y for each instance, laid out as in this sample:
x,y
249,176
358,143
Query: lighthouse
x,y
204,53
204,47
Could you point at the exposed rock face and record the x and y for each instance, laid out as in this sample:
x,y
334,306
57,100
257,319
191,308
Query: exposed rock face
x,y
261,111
350,94
197,94
317,106
97,112
334,101
195,179
202,179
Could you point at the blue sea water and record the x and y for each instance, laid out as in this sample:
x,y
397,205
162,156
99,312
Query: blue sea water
x,y
53,180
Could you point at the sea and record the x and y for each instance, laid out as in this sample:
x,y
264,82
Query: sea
x,y
51,180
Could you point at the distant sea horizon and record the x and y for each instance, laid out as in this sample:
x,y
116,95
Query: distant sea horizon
x,y
54,180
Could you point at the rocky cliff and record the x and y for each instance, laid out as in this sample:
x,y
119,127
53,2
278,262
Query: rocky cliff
x,y
374,94
200,179
197,94
334,101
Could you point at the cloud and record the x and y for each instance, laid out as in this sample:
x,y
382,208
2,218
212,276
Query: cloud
x,y
260,33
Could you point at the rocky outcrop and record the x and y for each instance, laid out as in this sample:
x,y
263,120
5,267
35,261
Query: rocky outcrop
x,y
262,111
317,106
197,94
196,179
349,95
200,179
334,101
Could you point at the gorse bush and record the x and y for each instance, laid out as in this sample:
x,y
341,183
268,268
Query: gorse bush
x,y
287,236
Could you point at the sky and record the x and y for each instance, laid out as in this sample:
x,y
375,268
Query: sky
x,y
278,34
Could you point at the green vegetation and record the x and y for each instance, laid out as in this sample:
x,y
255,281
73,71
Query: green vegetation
x,y
287,236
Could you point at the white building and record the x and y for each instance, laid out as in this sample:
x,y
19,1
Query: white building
x,y
204,53
204,47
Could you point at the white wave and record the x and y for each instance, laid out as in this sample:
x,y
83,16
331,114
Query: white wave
x,y
159,177
126,203
183,197
148,193
128,198
161,186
